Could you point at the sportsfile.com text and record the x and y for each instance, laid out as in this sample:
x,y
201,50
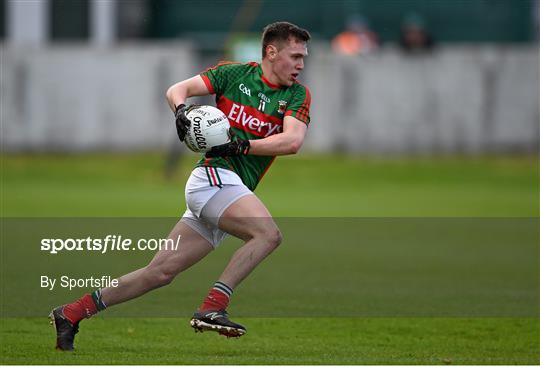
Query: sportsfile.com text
x,y
108,243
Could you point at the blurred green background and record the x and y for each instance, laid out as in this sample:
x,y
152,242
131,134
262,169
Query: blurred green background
x,y
129,185
451,21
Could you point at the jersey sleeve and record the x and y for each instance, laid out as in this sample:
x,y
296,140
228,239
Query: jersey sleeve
x,y
217,77
300,104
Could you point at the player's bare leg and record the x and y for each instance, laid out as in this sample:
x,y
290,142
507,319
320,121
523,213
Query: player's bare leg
x,y
164,267
247,219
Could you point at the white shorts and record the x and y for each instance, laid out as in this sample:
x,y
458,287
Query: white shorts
x,y
209,192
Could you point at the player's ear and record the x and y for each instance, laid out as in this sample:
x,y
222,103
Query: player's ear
x,y
271,52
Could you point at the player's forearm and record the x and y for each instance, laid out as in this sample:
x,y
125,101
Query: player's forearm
x,y
177,94
279,144
180,92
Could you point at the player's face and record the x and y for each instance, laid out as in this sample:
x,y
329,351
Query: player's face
x,y
289,62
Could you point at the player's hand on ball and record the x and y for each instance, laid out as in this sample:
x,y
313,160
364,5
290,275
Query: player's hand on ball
x,y
234,148
182,122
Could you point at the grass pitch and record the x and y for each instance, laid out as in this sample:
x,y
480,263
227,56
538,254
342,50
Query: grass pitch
x,y
281,341
301,186
310,186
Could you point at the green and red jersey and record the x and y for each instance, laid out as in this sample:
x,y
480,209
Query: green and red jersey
x,y
255,109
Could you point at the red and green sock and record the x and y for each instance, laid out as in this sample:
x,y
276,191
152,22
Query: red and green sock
x,y
218,297
85,307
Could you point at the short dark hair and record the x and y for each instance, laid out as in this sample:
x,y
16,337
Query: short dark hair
x,y
281,32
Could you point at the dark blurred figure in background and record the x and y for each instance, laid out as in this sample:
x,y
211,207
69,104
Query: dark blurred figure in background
x,y
356,39
414,36
174,156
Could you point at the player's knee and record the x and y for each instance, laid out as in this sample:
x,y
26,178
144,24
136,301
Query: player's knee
x,y
273,237
159,277
165,278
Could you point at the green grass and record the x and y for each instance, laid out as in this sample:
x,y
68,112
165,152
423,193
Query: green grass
x,y
336,281
281,341
133,185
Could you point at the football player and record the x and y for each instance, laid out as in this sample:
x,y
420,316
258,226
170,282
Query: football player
x,y
268,110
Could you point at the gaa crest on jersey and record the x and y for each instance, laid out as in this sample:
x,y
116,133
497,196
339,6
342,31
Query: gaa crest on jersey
x,y
282,105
